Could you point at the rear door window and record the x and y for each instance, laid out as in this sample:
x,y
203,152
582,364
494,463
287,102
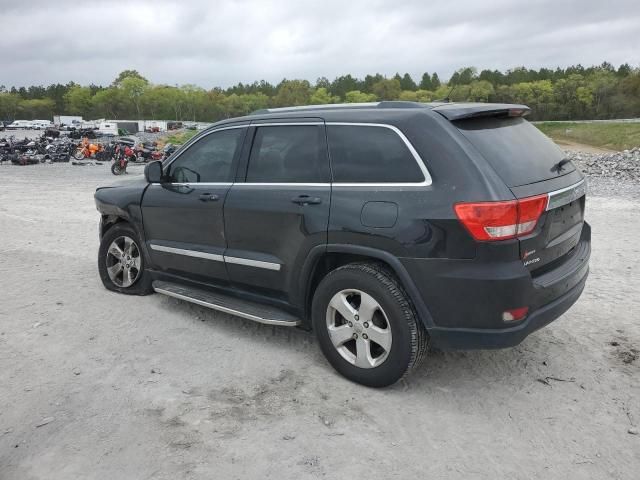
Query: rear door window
x,y
370,154
516,150
288,154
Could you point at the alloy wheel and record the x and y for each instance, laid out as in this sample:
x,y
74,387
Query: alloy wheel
x,y
123,262
359,328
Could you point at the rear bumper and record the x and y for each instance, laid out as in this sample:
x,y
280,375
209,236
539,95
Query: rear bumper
x,y
466,298
476,338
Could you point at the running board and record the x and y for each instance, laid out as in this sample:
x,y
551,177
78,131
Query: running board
x,y
225,303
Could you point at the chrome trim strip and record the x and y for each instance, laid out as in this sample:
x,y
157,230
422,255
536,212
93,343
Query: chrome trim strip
x,y
187,253
206,184
220,308
566,195
252,263
253,184
218,258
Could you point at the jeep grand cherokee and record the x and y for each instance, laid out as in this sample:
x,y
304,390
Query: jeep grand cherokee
x,y
383,227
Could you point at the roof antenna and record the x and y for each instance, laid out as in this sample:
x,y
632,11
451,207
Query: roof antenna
x,y
447,99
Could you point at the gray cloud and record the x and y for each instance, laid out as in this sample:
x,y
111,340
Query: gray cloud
x,y
218,43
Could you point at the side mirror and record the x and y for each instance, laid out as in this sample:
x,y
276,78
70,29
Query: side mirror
x,y
153,172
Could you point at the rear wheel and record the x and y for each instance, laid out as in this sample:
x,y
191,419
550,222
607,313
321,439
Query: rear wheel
x,y
121,261
366,325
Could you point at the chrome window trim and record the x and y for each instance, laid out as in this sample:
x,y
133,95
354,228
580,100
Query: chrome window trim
x,y
566,195
187,253
416,156
216,257
188,145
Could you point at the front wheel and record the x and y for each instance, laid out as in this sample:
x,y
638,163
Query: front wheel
x,y
121,261
116,169
366,325
78,154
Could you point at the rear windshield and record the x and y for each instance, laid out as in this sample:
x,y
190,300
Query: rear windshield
x,y
516,150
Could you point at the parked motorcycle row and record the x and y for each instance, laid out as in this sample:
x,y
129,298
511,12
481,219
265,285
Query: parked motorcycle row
x,y
30,152
47,149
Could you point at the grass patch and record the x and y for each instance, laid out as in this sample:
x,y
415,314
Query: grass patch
x,y
181,137
615,136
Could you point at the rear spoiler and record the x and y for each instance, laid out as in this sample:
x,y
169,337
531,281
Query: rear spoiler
x,y
462,111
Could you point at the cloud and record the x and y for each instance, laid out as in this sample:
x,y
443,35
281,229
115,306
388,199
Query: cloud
x,y
219,43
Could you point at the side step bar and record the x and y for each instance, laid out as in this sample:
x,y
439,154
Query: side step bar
x,y
225,303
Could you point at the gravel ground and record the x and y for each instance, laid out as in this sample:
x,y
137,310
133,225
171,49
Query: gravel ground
x,y
96,385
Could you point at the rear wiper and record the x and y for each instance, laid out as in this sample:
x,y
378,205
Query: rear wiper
x,y
558,167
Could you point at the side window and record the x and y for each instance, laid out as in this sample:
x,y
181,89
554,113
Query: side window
x,y
288,154
209,159
361,154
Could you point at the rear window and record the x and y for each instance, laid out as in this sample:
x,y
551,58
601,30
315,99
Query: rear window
x,y
516,150
288,154
363,154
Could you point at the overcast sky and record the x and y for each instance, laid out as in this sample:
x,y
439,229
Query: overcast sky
x,y
219,43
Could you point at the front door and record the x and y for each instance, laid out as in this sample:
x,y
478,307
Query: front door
x,y
281,211
183,215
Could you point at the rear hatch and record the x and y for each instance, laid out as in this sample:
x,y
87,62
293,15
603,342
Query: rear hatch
x,y
531,164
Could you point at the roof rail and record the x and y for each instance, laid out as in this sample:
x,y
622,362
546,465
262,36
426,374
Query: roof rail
x,y
316,107
335,106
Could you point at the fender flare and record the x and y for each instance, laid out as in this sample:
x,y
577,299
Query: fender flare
x,y
392,261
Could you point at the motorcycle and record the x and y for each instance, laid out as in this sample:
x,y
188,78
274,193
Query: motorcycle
x,y
88,150
123,154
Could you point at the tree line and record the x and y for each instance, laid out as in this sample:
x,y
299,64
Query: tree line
x,y
575,92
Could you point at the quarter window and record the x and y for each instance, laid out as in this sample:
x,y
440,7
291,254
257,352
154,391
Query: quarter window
x,y
208,160
363,154
288,154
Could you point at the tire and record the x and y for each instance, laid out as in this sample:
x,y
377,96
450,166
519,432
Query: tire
x,y
394,324
138,282
78,154
115,168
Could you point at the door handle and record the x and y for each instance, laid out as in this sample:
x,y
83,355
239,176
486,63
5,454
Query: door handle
x,y
208,197
306,200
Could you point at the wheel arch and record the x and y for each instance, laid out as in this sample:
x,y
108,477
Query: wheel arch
x,y
325,258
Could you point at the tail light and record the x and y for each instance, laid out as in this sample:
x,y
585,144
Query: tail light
x,y
491,221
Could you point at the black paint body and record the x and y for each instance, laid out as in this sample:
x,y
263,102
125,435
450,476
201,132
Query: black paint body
x,y
459,286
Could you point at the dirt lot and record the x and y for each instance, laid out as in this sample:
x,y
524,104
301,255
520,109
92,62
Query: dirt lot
x,y
96,385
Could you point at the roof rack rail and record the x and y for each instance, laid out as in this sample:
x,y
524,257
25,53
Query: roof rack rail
x,y
334,106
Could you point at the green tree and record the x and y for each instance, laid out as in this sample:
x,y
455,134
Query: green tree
x,y
356,96
9,105
387,89
134,89
435,81
425,82
77,101
321,97
127,74
407,83
37,108
292,93
480,91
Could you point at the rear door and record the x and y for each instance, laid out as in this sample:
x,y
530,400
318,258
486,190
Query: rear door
x,y
183,216
531,164
280,209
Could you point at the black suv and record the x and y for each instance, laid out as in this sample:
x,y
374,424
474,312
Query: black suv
x,y
386,228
